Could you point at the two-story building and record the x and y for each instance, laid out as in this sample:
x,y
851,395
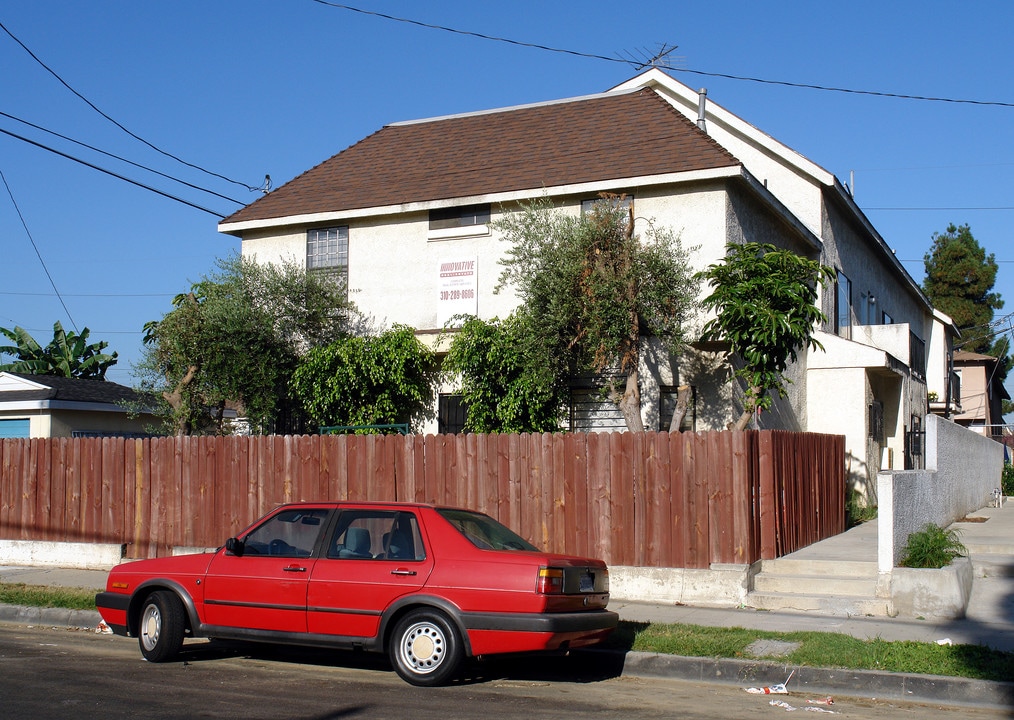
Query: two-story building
x,y
405,215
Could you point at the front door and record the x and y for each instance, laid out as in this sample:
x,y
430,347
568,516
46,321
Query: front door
x,y
263,585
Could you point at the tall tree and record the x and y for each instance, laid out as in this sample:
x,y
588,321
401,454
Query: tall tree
x,y
381,380
959,281
236,337
594,289
68,354
764,299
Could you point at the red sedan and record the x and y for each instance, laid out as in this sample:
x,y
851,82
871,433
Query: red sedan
x,y
427,585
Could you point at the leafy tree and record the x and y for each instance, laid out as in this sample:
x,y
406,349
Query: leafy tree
x,y
377,380
764,302
959,281
236,337
504,384
593,289
68,354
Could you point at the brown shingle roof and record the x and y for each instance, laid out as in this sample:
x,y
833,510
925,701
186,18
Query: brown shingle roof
x,y
71,390
584,140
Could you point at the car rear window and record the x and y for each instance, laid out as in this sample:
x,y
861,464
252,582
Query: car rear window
x,y
484,532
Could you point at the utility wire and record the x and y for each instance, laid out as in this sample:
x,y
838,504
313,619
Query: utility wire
x,y
32,240
642,65
139,184
121,159
117,124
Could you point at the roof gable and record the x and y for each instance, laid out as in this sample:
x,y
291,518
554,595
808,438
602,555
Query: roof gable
x,y
601,137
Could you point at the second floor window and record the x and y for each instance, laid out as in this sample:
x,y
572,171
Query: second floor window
x,y
459,217
328,249
843,306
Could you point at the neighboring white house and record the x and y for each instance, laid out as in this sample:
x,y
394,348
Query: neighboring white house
x,y
42,406
405,214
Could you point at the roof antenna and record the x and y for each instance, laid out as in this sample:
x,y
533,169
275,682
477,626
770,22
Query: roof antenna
x,y
659,59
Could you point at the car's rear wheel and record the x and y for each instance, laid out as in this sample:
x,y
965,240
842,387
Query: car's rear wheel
x,y
425,648
160,633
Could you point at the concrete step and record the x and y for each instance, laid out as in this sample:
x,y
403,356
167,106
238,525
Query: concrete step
x,y
824,568
820,584
993,565
838,605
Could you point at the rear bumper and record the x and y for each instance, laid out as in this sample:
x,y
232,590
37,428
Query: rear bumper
x,y
590,621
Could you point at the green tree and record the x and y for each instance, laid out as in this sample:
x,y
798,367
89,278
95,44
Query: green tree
x,y
377,380
236,337
959,281
593,290
764,299
68,354
506,376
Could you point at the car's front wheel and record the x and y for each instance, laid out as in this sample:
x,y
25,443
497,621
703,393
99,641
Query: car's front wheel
x,y
425,648
160,633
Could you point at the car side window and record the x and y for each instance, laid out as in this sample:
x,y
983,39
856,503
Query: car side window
x,y
376,535
291,533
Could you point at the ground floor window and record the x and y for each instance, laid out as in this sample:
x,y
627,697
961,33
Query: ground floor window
x,y
451,414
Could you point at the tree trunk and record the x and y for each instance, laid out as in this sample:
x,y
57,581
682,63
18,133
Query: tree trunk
x,y
682,403
748,410
630,403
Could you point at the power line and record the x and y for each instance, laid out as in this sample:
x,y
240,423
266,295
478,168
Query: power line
x,y
642,65
951,209
139,184
121,159
117,124
91,295
32,240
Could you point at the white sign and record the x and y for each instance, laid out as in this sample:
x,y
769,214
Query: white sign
x,y
458,286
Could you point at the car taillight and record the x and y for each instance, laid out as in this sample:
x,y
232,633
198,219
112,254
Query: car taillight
x,y
550,581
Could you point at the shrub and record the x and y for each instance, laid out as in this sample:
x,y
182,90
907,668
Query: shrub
x,y
932,547
1007,479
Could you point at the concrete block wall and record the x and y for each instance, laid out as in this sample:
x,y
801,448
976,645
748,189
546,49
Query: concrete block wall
x,y
962,468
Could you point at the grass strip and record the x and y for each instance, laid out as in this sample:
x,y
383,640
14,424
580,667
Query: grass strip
x,y
818,649
47,597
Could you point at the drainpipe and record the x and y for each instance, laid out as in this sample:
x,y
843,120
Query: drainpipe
x,y
702,99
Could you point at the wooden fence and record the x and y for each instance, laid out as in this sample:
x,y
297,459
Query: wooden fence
x,y
646,499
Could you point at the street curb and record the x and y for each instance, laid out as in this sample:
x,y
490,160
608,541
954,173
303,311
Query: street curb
x,y
57,617
817,681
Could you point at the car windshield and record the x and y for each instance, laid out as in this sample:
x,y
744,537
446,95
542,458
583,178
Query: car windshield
x,y
484,532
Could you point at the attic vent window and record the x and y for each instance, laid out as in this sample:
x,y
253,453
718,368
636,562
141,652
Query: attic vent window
x,y
465,216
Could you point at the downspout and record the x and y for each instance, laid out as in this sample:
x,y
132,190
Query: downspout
x,y
702,99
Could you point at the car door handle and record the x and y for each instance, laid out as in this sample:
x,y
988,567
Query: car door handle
x,y
294,568
402,571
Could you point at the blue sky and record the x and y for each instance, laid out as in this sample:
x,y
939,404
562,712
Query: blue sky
x,y
254,87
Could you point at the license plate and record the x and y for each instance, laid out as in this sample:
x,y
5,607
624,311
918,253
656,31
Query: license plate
x,y
587,582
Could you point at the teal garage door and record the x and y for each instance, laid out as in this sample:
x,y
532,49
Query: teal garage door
x,y
14,428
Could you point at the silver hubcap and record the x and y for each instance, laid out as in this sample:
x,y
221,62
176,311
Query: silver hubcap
x,y
422,647
151,626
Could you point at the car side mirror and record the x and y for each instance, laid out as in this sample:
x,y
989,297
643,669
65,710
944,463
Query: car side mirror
x,y
235,546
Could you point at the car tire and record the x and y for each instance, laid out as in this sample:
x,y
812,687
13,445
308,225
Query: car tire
x,y
160,631
425,648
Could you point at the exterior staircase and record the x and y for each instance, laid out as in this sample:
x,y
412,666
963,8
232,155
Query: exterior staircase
x,y
828,587
839,576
